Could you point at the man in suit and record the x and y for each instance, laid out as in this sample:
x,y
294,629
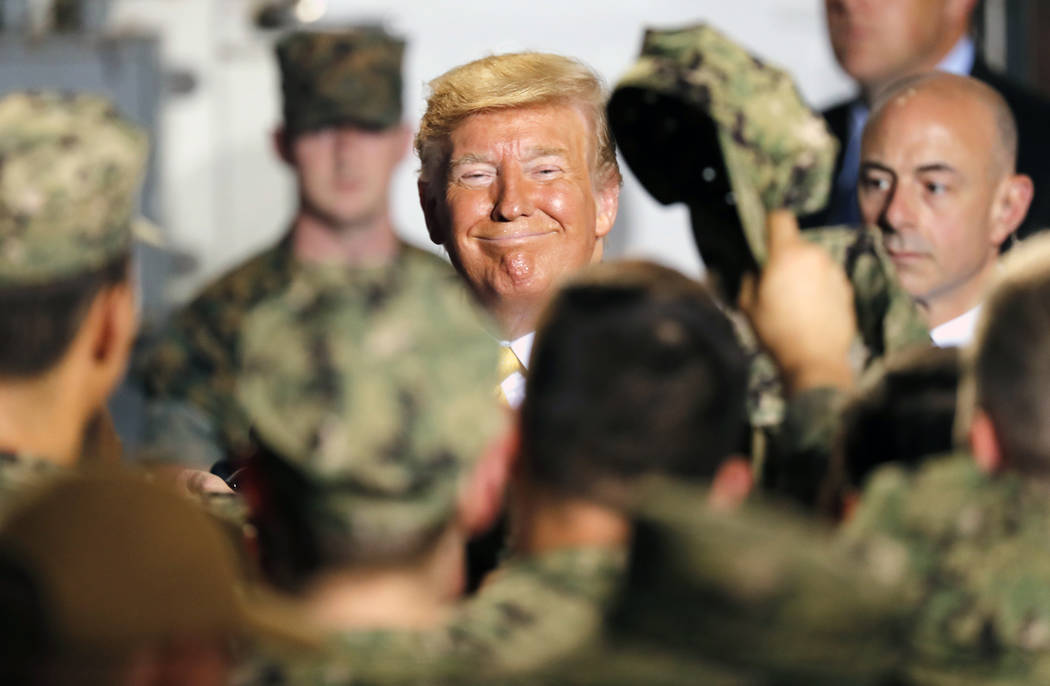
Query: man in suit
x,y
878,42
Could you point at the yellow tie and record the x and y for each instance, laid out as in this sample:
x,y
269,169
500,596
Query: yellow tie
x,y
508,364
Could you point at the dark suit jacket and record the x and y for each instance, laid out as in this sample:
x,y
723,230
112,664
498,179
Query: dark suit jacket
x,y
1032,113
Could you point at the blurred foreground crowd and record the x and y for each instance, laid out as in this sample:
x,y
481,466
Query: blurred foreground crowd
x,y
826,464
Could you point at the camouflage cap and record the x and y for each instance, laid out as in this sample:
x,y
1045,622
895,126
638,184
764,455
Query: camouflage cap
x,y
376,386
70,169
777,152
345,77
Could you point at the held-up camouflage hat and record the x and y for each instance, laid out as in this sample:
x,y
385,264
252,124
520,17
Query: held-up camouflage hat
x,y
341,77
776,152
375,387
70,170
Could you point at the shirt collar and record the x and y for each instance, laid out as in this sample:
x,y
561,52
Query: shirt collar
x,y
956,332
522,347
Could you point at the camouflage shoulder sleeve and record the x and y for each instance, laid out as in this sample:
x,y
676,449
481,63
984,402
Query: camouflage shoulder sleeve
x,y
537,608
189,373
801,447
761,588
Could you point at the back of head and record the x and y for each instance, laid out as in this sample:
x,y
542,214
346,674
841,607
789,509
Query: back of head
x,y
512,81
372,392
634,371
905,414
346,77
1011,366
71,170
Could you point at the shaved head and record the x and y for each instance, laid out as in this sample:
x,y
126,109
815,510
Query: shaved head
x,y
937,176
966,92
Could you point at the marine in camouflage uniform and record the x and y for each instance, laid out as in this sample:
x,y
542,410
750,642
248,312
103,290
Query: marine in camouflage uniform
x,y
371,393
345,78
69,178
979,547
702,121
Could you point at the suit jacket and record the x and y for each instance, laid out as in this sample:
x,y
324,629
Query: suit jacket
x,y
1032,112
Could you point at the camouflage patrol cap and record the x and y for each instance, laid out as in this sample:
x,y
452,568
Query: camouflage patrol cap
x,y
376,387
777,152
344,77
70,169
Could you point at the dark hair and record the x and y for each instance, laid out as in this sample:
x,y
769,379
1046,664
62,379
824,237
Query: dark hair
x,y
906,415
635,370
38,323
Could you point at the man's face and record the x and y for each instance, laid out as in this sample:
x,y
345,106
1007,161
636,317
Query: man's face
x,y
522,209
345,172
879,40
929,179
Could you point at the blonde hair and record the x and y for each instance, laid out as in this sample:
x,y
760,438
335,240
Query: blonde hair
x,y
510,81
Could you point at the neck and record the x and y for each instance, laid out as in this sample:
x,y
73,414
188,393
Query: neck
x,y
514,320
870,91
958,301
545,521
417,595
38,419
366,243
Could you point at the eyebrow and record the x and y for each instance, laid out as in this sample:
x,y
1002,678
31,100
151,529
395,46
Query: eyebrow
x,y
533,153
868,164
936,167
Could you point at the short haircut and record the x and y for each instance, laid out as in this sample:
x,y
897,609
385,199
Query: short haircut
x,y
1011,362
511,81
38,323
904,414
967,86
635,371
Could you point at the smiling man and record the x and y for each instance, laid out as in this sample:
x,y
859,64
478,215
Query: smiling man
x,y
937,176
520,184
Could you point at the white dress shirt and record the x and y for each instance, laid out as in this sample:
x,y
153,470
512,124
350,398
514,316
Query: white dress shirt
x,y
956,332
514,385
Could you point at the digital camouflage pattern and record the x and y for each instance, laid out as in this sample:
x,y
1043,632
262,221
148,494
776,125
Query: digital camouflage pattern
x,y
190,373
778,152
761,592
980,548
71,169
340,77
375,385
534,611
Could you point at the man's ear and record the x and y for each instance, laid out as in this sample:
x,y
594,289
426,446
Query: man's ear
x,y
435,214
608,203
482,495
731,484
984,442
1011,206
282,145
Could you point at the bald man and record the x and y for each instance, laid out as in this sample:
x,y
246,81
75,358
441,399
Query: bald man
x,y
937,176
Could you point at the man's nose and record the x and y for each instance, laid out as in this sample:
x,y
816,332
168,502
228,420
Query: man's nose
x,y
512,197
900,211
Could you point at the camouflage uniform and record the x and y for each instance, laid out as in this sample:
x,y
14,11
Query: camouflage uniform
x,y
374,387
349,77
70,170
776,153
980,547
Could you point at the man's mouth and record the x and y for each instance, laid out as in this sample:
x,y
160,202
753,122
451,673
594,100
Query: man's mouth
x,y
515,236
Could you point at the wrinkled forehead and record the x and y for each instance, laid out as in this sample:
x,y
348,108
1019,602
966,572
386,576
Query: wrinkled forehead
x,y
545,128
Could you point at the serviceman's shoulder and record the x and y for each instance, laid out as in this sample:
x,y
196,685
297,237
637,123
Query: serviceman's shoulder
x,y
20,472
538,608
